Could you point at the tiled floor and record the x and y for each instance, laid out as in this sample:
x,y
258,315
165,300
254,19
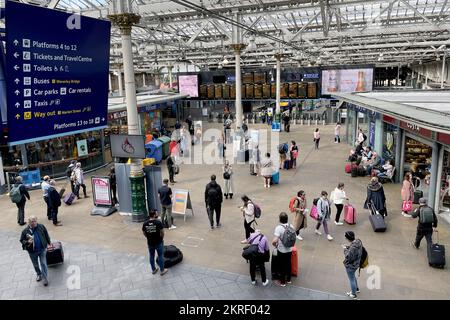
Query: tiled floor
x,y
397,271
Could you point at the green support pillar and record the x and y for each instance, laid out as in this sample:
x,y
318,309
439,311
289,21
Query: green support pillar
x,y
139,213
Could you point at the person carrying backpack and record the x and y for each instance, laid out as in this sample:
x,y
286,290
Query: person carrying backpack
x,y
69,175
261,256
427,223
248,212
19,196
54,200
352,261
324,213
213,201
283,242
282,150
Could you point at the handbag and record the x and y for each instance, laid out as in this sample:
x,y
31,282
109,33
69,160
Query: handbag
x,y
314,213
226,175
407,206
251,251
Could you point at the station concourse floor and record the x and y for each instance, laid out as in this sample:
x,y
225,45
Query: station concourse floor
x,y
113,258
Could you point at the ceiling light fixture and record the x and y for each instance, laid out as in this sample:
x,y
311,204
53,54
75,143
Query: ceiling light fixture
x,y
225,61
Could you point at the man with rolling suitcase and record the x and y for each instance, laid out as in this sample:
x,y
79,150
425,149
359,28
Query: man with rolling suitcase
x,y
35,240
427,223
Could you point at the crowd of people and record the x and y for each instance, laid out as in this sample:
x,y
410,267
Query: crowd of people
x,y
35,238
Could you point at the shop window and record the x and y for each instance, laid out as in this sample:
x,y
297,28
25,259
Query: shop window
x,y
390,133
445,181
418,159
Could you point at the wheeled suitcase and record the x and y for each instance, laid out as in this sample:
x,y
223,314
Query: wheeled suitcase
x,y
68,199
354,171
275,268
55,254
436,255
349,214
377,222
294,262
276,178
417,195
348,168
287,164
361,171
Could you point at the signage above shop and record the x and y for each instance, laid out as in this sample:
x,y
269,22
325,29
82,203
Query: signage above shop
x,y
148,108
57,66
412,127
117,115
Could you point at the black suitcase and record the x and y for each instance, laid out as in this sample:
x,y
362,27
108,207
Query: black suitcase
x,y
361,171
354,171
55,254
172,256
436,255
275,268
376,220
417,195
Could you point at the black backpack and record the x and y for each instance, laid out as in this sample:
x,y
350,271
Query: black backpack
x,y
315,201
251,252
364,136
213,195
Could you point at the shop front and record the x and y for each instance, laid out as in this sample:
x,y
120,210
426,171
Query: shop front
x,y
52,156
369,121
444,173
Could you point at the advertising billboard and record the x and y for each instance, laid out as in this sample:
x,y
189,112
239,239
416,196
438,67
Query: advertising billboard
x,y
57,68
127,146
188,84
347,80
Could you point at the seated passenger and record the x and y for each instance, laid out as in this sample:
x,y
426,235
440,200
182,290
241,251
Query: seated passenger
x,y
373,163
388,168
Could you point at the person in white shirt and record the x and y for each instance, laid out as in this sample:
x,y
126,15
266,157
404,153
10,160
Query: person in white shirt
x,y
45,185
337,133
284,254
388,168
338,197
248,212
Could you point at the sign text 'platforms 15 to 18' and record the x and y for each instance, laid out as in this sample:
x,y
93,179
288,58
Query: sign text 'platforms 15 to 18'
x,y
57,73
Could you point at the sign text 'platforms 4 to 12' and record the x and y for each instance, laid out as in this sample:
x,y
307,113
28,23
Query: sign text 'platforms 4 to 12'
x,y
57,76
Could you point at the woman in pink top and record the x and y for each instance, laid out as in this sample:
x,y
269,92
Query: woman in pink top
x,y
317,137
407,191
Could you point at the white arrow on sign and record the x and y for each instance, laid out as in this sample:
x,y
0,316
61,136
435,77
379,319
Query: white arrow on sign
x,y
16,67
17,81
17,104
16,42
17,92
16,55
103,119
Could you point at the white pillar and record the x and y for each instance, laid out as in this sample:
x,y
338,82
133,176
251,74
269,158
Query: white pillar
x,y
426,80
143,80
239,111
109,83
398,75
157,80
170,76
278,85
130,85
442,71
119,79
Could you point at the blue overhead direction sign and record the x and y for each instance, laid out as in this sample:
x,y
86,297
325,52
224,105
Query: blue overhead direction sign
x,y
57,67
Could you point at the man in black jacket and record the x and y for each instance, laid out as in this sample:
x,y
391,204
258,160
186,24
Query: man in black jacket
x,y
171,168
21,204
427,223
54,200
213,200
35,240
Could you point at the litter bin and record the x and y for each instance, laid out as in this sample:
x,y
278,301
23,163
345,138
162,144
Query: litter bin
x,y
154,150
139,211
165,147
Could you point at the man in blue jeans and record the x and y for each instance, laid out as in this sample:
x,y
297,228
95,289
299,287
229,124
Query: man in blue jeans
x,y
154,232
35,240
352,261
